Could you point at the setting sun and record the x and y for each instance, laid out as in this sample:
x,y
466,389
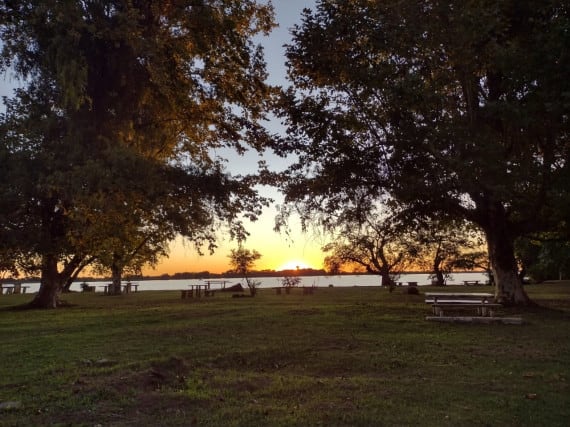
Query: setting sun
x,y
293,265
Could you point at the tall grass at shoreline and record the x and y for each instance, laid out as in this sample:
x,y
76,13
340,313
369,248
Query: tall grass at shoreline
x,y
343,356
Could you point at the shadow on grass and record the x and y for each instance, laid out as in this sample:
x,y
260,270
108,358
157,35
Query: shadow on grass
x,y
32,306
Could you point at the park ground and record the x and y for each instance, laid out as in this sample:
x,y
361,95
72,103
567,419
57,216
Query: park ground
x,y
340,357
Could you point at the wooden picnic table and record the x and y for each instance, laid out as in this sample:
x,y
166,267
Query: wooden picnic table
x,y
307,290
222,283
197,290
484,304
126,288
129,286
445,301
13,289
432,297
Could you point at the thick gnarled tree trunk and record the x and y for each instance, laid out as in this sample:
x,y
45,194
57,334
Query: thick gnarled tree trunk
x,y
51,284
386,280
53,281
508,286
116,278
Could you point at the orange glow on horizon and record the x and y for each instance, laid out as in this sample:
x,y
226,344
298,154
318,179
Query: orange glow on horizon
x,y
275,255
293,265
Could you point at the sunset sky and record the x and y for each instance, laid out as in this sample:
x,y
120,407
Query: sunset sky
x,y
278,250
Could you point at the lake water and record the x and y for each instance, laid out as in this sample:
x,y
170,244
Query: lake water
x,y
269,282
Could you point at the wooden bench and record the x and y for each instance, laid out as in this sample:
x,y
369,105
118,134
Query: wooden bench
x,y
470,282
471,297
447,301
485,309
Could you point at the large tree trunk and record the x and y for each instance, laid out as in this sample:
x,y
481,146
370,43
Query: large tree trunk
x,y
508,286
71,279
386,279
116,276
436,267
439,278
437,273
51,284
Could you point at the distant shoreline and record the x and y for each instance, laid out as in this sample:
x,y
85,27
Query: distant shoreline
x,y
229,276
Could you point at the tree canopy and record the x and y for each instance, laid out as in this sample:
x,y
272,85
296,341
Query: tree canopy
x,y
242,261
452,107
111,141
379,244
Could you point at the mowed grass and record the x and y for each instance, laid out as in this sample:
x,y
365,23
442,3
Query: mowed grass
x,y
343,356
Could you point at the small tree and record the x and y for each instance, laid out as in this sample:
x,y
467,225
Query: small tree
x,y
378,243
290,281
242,261
544,257
7,265
446,245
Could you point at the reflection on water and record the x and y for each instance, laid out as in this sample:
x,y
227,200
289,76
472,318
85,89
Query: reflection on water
x,y
269,282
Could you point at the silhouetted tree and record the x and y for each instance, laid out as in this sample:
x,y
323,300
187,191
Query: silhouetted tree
x,y
455,108
242,261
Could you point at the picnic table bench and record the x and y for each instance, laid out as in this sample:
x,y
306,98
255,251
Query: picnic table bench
x,y
442,302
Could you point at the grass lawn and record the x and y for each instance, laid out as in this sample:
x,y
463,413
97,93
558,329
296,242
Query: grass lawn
x,y
343,356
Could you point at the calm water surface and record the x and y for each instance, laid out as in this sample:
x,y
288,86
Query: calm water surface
x,y
269,282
